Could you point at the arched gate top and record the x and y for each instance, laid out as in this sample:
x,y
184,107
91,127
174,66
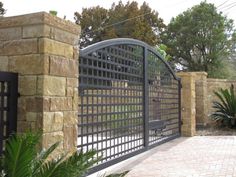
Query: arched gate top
x,y
122,41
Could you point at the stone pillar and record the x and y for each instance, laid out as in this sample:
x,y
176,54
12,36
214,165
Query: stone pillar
x,y
43,49
188,110
201,98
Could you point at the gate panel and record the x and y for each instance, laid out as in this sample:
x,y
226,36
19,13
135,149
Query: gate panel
x,y
129,100
111,101
163,104
8,106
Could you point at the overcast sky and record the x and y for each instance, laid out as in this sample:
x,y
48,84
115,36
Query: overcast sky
x,y
166,8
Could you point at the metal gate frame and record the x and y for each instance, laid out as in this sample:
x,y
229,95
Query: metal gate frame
x,y
8,106
146,48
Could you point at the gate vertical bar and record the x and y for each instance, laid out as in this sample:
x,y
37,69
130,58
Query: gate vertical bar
x,y
145,98
13,89
1,115
179,92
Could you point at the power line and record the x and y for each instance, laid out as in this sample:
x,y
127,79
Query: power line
x,y
120,22
222,4
228,5
231,5
117,23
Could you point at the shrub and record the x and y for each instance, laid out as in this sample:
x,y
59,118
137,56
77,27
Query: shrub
x,y
21,159
225,108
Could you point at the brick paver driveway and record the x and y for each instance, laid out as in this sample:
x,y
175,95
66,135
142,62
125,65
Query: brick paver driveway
x,y
212,156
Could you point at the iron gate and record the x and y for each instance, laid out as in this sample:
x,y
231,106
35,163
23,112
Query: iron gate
x,y
8,105
129,100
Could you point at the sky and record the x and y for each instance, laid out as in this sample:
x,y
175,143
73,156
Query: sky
x,y
166,8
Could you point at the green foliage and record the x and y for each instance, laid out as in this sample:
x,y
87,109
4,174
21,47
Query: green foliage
x,y
225,109
21,159
53,12
2,10
99,24
200,39
224,71
161,49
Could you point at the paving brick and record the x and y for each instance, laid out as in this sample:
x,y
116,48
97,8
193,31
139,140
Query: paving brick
x,y
199,156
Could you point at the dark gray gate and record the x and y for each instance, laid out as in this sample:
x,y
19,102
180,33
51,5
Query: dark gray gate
x,y
8,105
129,100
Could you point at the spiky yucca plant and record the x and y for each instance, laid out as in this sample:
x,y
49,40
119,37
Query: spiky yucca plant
x,y
225,109
21,159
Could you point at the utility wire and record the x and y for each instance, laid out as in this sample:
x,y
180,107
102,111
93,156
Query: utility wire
x,y
120,22
228,5
229,8
117,23
222,4
231,5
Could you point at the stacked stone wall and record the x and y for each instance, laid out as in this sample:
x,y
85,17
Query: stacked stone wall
x,y
212,86
188,103
43,49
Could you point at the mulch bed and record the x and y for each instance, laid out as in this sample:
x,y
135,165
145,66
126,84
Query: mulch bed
x,y
216,131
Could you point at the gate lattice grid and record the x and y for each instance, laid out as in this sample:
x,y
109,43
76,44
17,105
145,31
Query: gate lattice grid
x,y
8,106
129,100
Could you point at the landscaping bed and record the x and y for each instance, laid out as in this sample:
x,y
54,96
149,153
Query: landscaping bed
x,y
216,131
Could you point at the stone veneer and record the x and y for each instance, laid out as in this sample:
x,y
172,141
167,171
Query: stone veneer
x,y
201,98
43,49
188,111
215,85
197,97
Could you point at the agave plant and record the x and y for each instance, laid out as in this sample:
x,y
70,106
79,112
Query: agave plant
x,y
21,159
225,109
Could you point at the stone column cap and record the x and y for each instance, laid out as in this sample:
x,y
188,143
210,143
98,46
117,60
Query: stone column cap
x,y
37,19
191,73
201,73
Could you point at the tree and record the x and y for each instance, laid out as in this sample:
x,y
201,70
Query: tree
x,y
200,39
2,10
121,20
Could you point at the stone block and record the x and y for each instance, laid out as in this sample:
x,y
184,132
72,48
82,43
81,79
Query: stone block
x,y
48,46
60,66
21,109
70,137
29,64
3,63
51,86
75,99
31,116
52,121
64,36
60,104
48,139
36,31
7,34
70,117
27,85
72,82
37,104
39,18
76,52
23,126
19,47
69,91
